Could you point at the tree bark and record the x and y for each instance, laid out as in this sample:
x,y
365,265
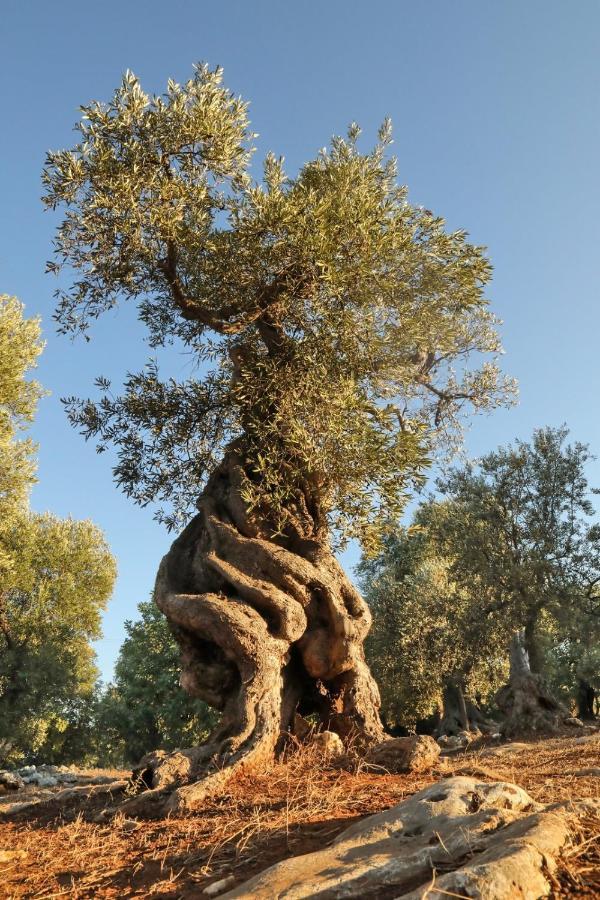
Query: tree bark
x,y
525,701
586,698
454,717
531,646
267,628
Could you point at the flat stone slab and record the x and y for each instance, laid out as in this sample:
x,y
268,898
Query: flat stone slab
x,y
460,836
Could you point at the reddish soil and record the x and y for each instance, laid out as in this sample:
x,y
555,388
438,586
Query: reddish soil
x,y
297,806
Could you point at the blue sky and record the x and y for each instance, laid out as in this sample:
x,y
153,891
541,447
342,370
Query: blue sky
x,y
496,112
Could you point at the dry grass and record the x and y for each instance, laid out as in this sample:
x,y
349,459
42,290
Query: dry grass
x,y
297,806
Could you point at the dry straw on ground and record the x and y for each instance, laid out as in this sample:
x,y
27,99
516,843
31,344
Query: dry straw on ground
x,y
299,805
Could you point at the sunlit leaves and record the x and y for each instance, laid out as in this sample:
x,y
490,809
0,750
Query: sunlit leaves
x,y
51,599
20,345
336,322
426,629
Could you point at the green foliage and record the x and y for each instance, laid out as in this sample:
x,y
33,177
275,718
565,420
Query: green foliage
x,y
51,598
20,346
146,709
425,629
519,526
571,652
55,575
334,321
511,545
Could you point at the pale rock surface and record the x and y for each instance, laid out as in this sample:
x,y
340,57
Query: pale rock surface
x,y
10,781
416,753
328,743
485,840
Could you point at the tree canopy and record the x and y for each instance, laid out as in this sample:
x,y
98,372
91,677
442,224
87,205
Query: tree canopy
x,y
51,600
520,526
334,321
55,575
20,346
427,629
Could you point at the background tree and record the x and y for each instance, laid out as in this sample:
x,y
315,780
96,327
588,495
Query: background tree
x,y
20,345
334,322
145,708
518,526
571,653
55,575
59,581
430,650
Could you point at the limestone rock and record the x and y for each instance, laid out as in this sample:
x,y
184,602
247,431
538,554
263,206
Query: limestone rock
x,y
328,743
574,722
481,839
217,887
41,780
416,753
10,781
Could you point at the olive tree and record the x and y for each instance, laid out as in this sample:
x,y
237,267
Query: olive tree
x,y
20,345
519,526
56,575
432,652
333,323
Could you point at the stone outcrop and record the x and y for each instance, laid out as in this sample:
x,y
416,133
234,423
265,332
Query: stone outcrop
x,y
458,837
416,753
43,776
10,781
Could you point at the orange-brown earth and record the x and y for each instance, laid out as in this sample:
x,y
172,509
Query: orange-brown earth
x,y
297,806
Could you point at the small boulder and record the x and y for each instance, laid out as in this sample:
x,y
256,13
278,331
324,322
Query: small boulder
x,y
41,780
328,743
10,781
67,778
217,887
573,722
415,753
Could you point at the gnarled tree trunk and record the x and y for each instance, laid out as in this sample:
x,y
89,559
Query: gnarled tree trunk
x,y
459,712
525,701
267,628
455,717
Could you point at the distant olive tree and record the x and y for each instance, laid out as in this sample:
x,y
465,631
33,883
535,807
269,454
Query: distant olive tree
x,y
431,651
520,526
56,575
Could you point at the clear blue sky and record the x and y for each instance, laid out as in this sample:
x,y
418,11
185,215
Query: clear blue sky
x,y
496,108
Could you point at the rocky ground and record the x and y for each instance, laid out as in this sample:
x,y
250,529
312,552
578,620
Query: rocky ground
x,y
64,849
